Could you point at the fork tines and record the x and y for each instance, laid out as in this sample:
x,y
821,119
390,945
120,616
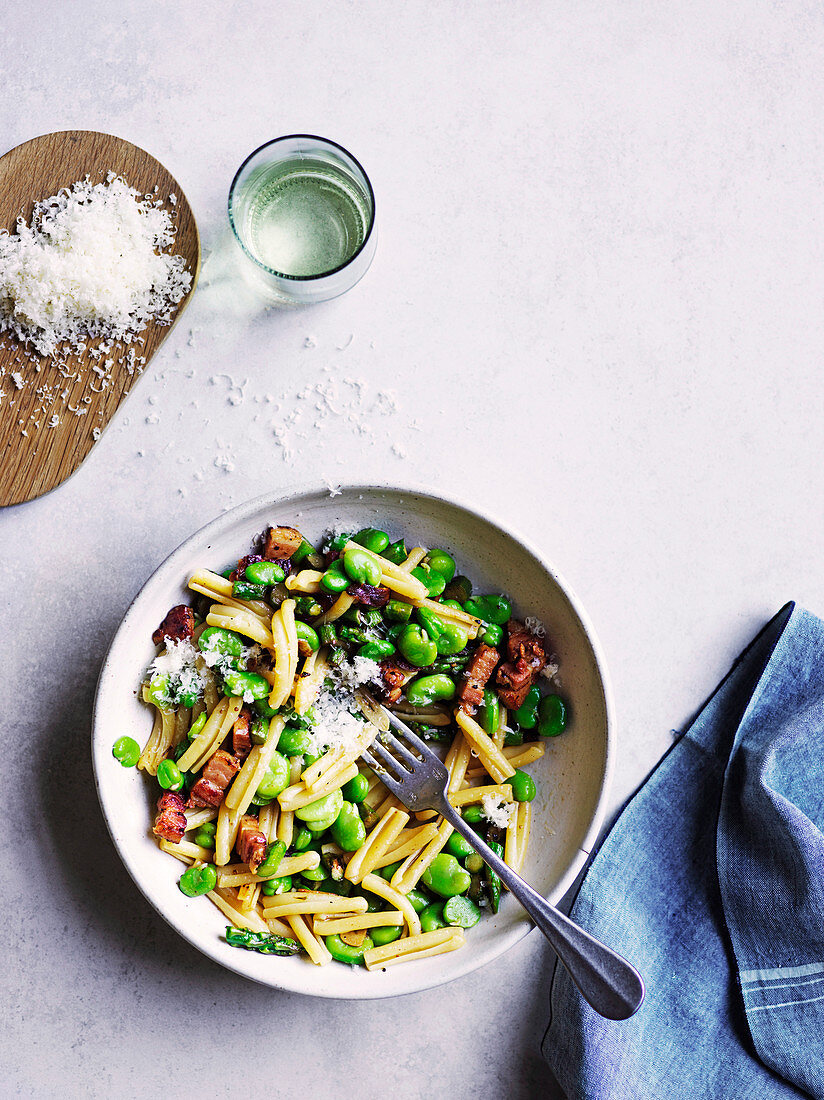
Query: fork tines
x,y
391,755
407,733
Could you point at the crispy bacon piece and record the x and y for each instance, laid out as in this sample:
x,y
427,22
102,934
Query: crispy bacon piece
x,y
210,789
242,734
476,674
522,645
527,656
370,595
171,821
395,672
251,843
280,543
178,625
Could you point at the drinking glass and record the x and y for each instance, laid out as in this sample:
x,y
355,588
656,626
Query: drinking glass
x,y
302,211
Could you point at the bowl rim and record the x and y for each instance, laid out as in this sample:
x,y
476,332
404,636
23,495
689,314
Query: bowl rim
x,y
234,516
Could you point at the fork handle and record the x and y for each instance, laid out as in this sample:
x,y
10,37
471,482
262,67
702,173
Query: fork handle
x,y
605,980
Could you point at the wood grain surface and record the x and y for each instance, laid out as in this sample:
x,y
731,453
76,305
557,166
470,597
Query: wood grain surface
x,y
36,457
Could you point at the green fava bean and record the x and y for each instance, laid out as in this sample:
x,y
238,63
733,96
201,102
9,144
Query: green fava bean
x,y
513,737
346,954
302,839
446,877
205,836
373,539
246,685
159,692
552,716
348,831
472,815
416,646
361,567
492,635
494,609
430,689
215,639
432,917
276,886
198,880
319,826
452,640
458,846
314,874
435,583
337,542
385,933
490,712
293,742
396,553
308,640
264,572
275,779
377,649
321,808
169,775
461,912
356,789
526,716
442,563
274,854
388,871
127,751
418,900
523,786
335,578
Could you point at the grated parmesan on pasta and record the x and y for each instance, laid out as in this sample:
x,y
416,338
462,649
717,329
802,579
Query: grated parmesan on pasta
x,y
91,263
335,724
496,811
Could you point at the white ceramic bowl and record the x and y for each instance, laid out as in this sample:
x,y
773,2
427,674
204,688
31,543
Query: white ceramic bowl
x,y
572,777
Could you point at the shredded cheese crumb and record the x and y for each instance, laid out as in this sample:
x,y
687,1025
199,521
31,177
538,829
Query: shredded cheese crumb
x,y
535,626
496,811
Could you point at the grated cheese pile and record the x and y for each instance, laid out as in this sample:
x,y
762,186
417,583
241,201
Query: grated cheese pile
x,y
90,264
335,724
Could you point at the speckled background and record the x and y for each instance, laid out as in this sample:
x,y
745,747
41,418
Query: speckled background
x,y
595,310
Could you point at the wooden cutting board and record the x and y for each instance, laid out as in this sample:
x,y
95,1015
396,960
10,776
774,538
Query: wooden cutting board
x,y
36,457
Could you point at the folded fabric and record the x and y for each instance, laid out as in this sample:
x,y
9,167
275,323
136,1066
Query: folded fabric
x,y
712,883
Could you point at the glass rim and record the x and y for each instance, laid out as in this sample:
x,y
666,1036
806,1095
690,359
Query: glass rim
x,y
322,274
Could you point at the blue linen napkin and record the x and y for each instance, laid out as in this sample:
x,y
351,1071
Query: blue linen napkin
x,y
712,883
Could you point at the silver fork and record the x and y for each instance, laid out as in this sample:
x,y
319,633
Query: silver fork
x,y
415,775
